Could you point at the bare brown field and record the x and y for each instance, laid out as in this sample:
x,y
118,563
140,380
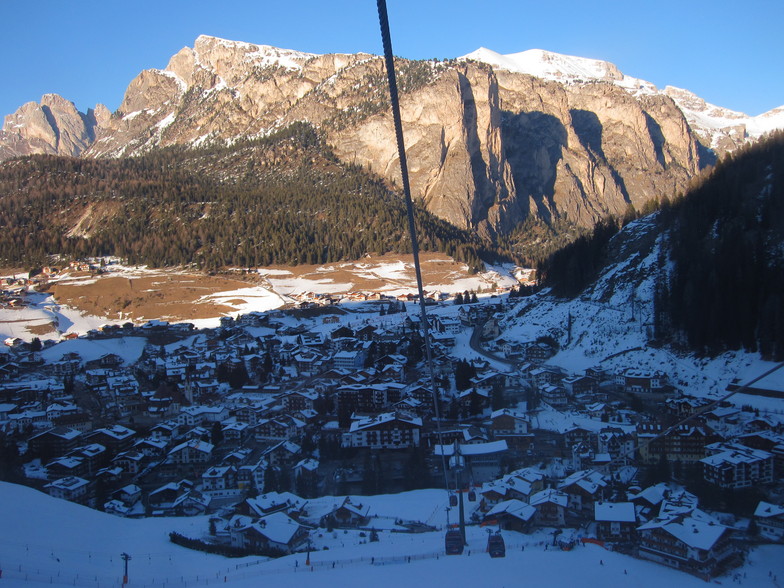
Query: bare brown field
x,y
176,296
165,296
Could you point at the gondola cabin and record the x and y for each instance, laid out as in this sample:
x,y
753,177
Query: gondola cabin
x,y
453,542
495,545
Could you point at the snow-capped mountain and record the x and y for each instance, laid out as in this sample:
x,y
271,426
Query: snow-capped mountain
x,y
720,129
489,147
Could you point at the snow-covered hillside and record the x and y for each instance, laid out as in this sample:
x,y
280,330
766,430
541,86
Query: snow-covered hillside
x,y
48,541
612,322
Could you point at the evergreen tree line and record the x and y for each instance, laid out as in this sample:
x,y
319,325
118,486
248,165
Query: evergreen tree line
x,y
726,289
570,269
284,199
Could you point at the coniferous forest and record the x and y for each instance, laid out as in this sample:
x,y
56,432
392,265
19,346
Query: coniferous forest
x,y
726,289
722,281
282,199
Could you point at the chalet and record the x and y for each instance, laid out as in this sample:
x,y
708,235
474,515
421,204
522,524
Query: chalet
x,y
518,485
190,453
575,435
178,499
550,505
347,515
554,395
578,385
384,431
649,500
279,428
270,502
584,489
71,488
684,444
130,461
511,515
216,480
538,352
308,362
251,476
617,443
151,448
473,400
80,421
68,365
542,376
276,532
199,414
616,522
235,433
165,431
639,381
512,426
686,543
685,405
770,521
283,454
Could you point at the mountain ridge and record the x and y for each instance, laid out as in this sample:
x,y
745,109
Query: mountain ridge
x,y
488,147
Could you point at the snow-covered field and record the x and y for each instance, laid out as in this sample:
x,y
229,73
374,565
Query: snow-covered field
x,y
390,276
48,541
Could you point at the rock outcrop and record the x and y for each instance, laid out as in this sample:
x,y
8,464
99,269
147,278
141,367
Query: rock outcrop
x,y
487,147
54,126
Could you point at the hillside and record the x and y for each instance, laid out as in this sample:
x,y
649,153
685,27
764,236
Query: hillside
x,y
283,199
40,551
488,147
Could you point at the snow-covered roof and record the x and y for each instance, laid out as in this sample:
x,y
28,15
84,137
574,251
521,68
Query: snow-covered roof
x,y
471,449
615,512
692,532
513,507
767,510
549,495
277,527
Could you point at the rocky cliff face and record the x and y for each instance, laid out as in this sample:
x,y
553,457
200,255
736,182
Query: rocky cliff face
x,y
487,147
54,126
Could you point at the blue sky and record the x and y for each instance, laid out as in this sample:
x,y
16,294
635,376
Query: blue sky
x,y
729,53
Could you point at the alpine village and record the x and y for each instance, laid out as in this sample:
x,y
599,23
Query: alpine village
x,y
599,389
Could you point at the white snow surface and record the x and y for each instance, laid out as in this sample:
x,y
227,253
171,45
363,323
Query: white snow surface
x,y
702,116
50,541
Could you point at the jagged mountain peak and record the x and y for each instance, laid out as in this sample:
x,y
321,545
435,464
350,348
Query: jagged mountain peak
x,y
53,126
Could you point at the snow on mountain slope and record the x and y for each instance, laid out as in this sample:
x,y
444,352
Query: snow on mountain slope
x,y
260,55
721,128
561,68
57,543
612,323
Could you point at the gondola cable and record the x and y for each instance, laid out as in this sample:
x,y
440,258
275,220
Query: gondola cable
x,y
393,97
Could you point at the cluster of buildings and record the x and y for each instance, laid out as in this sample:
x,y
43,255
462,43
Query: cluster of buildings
x,y
270,403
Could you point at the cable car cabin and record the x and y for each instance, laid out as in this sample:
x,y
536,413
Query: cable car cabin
x,y
471,496
495,545
452,500
453,542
